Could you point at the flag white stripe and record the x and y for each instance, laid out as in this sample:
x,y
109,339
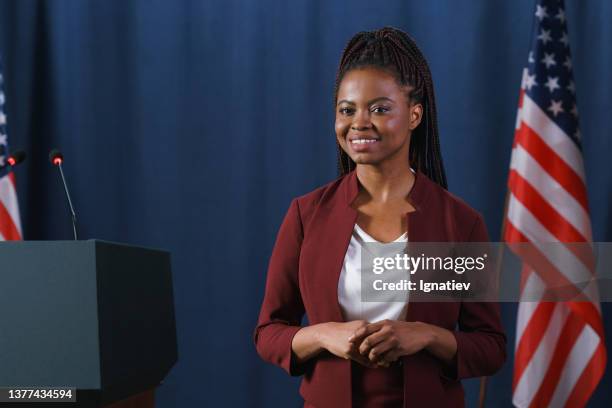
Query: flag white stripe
x,y
577,360
552,135
526,222
8,198
560,256
2,237
551,190
533,285
534,373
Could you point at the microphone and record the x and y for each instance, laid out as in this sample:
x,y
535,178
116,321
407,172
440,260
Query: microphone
x,y
57,158
16,157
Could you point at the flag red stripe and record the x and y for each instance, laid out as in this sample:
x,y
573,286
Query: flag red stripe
x,y
590,314
513,235
588,380
552,164
548,216
569,334
7,226
530,339
538,262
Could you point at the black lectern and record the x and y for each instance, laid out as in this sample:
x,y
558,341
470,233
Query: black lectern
x,y
93,315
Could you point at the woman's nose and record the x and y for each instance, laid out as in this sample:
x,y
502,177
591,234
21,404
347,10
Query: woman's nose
x,y
361,120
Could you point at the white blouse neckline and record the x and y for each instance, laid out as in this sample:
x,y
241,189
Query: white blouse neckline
x,y
367,238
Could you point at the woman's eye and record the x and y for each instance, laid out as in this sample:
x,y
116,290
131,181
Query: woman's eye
x,y
380,109
345,111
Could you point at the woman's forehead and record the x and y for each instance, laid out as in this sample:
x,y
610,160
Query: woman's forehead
x,y
367,83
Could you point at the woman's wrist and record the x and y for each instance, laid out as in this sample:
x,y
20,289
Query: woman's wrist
x,y
320,335
431,335
440,342
307,342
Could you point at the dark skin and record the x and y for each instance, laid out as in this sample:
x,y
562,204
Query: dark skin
x,y
374,123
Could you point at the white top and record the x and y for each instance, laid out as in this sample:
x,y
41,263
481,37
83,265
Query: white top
x,y
349,285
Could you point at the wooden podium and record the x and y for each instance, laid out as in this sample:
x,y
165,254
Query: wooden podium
x,y
93,315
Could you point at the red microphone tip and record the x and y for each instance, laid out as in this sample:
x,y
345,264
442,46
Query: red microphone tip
x,y
57,161
11,161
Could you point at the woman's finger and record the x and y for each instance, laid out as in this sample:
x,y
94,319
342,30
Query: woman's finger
x,y
378,351
363,332
360,359
373,339
390,356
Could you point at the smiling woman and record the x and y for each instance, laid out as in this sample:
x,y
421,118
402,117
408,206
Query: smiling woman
x,y
392,184
373,120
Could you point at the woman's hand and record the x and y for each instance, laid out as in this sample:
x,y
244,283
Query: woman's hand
x,y
334,337
385,341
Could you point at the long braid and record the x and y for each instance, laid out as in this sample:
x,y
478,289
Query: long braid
x,y
393,50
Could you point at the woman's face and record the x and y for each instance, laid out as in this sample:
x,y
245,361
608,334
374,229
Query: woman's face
x,y
374,119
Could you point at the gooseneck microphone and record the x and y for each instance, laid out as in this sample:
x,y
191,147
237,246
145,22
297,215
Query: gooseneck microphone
x,y
57,158
16,157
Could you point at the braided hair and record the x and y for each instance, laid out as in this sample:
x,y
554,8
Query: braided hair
x,y
394,51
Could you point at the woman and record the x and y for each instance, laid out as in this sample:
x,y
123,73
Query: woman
x,y
392,184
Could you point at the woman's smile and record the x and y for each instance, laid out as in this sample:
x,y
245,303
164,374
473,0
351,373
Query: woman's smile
x,y
363,144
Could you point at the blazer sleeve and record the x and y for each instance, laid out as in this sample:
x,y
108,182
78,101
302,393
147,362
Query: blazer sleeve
x,y
282,308
481,341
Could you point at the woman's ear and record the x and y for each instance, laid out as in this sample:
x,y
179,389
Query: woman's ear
x,y
416,114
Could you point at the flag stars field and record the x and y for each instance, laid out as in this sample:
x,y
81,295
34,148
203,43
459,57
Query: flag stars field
x,y
574,110
552,84
549,60
555,107
544,36
541,12
568,63
529,80
561,16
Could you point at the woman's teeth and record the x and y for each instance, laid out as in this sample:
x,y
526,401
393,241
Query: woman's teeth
x,y
362,141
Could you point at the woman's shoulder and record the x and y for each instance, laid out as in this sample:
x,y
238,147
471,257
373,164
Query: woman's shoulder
x,y
324,193
456,210
323,196
457,205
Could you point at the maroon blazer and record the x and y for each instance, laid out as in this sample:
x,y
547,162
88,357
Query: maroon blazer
x,y
303,278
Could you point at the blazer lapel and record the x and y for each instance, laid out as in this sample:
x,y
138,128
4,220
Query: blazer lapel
x,y
418,231
334,226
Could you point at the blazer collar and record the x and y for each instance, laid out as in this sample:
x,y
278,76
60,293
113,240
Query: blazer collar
x,y
416,196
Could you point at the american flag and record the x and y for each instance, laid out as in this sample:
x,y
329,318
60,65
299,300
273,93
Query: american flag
x,y
10,224
560,353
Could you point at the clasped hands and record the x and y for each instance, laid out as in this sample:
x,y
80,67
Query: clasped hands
x,y
378,344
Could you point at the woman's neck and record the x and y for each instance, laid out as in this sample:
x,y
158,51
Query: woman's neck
x,y
384,184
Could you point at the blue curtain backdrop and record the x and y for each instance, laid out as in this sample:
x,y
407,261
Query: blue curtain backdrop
x,y
190,125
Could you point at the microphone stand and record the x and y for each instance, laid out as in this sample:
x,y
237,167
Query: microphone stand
x,y
74,219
